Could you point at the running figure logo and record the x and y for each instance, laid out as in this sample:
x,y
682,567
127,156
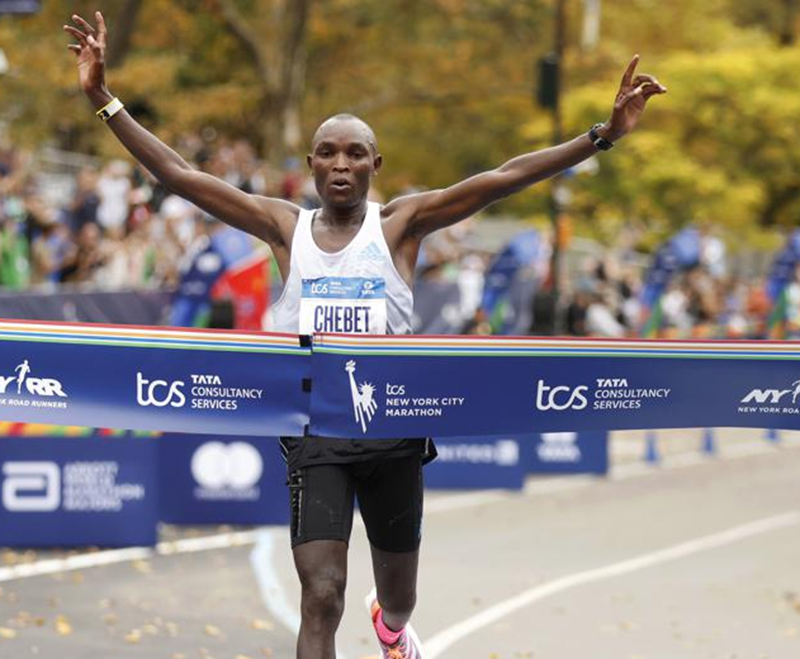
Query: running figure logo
x,y
364,405
24,368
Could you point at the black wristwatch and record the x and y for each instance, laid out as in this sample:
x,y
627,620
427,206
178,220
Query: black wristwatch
x,y
600,142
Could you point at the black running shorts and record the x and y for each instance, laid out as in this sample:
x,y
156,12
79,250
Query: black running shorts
x,y
389,494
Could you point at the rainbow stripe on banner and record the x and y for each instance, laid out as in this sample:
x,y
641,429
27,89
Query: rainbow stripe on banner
x,y
494,346
149,337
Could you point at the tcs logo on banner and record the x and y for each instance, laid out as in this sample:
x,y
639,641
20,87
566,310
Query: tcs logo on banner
x,y
31,487
560,398
159,393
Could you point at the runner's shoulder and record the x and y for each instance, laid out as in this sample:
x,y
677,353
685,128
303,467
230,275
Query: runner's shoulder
x,y
402,210
280,214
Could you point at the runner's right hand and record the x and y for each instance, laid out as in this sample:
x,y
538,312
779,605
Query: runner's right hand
x,y
91,51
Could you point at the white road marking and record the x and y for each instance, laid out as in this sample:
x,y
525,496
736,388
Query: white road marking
x,y
272,592
269,584
112,556
446,638
78,562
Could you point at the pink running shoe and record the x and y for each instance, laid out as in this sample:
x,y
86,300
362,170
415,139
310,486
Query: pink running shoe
x,y
407,645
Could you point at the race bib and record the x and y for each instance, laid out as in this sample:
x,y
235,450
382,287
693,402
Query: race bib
x,y
345,305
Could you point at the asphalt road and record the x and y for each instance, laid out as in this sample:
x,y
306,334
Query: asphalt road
x,y
694,558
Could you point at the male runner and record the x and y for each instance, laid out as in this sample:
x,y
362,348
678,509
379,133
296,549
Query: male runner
x,y
348,267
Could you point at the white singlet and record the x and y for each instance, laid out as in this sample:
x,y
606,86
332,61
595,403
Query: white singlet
x,y
356,290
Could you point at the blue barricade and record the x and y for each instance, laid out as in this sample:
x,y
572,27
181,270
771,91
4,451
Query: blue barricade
x,y
222,480
477,463
78,491
567,452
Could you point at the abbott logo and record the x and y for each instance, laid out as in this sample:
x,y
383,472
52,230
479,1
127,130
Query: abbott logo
x,y
560,398
31,487
364,403
216,466
159,393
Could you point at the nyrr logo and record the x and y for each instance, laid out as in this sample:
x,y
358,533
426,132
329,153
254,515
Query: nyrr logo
x,y
31,487
560,398
159,393
44,387
364,403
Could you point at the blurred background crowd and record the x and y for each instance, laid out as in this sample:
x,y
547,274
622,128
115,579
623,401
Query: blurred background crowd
x,y
85,223
109,224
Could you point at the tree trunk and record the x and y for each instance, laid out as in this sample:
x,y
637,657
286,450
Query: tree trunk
x,y
788,31
124,23
280,65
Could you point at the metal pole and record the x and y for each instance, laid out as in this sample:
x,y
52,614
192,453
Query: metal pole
x,y
555,206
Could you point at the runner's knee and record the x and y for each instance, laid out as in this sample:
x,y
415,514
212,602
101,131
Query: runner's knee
x,y
323,599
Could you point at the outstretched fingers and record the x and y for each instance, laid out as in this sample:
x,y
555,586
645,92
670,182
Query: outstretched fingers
x,y
77,34
87,27
102,30
627,77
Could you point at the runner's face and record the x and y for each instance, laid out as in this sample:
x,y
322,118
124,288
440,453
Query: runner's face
x,y
343,163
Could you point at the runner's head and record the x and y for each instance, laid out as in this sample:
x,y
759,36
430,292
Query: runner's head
x,y
344,158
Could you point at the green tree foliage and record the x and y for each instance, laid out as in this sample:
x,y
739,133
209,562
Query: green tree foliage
x,y
449,86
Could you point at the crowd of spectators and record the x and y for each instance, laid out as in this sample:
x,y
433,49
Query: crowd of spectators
x,y
700,303
601,293
117,228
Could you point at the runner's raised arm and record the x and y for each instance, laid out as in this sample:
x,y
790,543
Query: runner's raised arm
x,y
429,211
271,220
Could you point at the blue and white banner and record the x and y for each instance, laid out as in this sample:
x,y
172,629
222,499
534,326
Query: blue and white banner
x,y
222,480
385,387
477,463
566,452
153,379
87,491
257,384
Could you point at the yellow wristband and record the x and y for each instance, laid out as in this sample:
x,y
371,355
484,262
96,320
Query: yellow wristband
x,y
110,109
